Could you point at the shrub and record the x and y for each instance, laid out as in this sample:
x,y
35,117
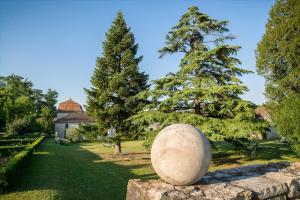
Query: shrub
x,y
6,151
23,136
287,118
62,141
10,167
17,126
150,138
73,135
17,141
28,124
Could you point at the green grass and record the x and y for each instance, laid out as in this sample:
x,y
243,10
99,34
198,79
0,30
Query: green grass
x,y
78,172
90,171
268,151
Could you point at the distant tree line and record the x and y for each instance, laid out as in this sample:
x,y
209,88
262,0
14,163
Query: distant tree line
x,y
25,109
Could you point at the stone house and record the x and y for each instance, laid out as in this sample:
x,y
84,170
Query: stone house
x,y
69,114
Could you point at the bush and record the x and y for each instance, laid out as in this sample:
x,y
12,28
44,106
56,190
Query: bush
x,y
23,136
73,135
17,126
14,142
6,151
28,124
62,141
287,117
150,138
10,167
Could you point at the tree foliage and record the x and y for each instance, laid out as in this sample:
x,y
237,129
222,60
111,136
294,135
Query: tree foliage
x,y
278,53
116,81
48,111
278,60
287,119
205,91
21,106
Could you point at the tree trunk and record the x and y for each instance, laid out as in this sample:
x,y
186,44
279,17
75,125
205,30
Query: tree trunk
x,y
118,147
197,106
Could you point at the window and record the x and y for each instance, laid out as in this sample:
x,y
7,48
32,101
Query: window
x,y
67,125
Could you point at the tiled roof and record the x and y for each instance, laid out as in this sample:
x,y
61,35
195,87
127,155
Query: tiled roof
x,y
262,112
75,117
69,106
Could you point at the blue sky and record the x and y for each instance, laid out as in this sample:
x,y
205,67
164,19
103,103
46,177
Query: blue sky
x,y
55,43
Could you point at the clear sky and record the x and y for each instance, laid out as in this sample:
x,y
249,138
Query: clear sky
x,y
54,43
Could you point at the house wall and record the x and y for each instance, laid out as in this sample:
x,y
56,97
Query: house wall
x,y
272,134
60,128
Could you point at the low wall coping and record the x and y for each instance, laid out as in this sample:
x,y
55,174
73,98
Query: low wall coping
x,y
278,181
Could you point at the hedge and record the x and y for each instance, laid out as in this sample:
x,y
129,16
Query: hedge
x,y
24,136
11,166
6,151
14,142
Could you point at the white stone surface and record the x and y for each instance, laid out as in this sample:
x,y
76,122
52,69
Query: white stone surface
x,y
180,154
60,128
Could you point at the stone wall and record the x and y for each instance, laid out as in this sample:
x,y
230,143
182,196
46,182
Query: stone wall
x,y
274,181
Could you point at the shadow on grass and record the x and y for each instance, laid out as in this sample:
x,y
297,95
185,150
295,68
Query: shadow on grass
x,y
76,173
224,156
226,160
274,150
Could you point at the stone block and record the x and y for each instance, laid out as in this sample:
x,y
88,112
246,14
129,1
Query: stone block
x,y
275,181
291,180
263,187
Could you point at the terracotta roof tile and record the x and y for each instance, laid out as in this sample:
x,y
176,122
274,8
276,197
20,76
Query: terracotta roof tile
x,y
69,106
262,112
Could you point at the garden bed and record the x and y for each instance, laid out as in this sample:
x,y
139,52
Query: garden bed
x,y
13,155
12,144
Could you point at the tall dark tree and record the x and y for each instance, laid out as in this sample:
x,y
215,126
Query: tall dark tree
x,y
278,53
116,81
278,60
48,111
206,90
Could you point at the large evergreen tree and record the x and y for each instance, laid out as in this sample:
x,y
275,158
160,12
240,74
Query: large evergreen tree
x,y
278,60
278,53
205,91
116,81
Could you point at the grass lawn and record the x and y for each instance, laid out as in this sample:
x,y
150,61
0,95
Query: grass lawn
x,y
90,171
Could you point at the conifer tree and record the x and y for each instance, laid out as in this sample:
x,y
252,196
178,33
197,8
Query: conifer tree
x,y
278,53
116,81
278,60
206,89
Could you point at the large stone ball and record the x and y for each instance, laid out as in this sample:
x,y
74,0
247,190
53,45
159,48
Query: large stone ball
x,y
180,154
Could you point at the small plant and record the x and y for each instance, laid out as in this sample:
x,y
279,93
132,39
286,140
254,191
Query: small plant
x,y
62,141
73,135
150,138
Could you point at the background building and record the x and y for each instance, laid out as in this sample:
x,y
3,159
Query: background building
x,y
69,114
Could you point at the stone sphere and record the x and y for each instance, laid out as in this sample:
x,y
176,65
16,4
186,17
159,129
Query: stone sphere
x,y
180,154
